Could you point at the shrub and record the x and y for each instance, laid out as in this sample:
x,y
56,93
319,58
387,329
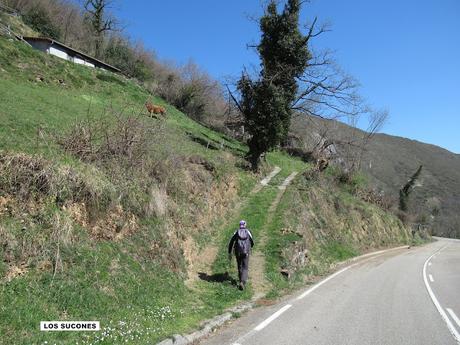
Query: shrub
x,y
32,177
192,91
133,61
38,19
110,137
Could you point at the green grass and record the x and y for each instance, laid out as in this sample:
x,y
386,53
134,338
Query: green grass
x,y
123,284
276,243
325,222
338,251
255,211
146,300
135,285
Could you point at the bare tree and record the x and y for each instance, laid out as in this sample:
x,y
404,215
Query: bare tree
x,y
101,21
355,144
328,93
324,89
69,17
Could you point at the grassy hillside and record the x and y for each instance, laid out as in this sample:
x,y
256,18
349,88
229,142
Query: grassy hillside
x,y
322,219
108,214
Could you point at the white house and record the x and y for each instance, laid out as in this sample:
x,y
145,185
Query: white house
x,y
58,49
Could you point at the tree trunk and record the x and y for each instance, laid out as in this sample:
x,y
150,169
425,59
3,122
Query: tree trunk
x,y
254,159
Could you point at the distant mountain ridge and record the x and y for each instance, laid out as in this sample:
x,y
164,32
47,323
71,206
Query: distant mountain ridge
x,y
391,160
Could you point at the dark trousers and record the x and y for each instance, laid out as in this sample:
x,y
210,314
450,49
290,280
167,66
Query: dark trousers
x,y
243,267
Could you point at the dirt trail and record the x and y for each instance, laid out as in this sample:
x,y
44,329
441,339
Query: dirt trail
x,y
257,260
203,261
266,180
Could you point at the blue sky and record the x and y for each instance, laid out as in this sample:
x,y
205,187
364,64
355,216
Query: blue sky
x,y
406,53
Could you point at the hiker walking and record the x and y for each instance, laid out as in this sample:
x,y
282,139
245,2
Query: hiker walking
x,y
242,243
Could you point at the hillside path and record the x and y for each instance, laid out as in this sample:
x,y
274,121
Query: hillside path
x,y
257,260
209,253
264,182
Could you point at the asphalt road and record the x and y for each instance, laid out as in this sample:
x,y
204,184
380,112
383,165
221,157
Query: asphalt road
x,y
406,296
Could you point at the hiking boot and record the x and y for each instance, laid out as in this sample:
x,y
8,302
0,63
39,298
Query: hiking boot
x,y
241,286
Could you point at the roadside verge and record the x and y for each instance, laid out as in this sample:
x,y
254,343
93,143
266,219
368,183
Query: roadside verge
x,y
209,326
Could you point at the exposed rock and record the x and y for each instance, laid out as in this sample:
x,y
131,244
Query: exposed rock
x,y
296,257
286,273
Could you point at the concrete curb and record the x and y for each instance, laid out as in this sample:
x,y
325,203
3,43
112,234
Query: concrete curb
x,y
210,325
207,326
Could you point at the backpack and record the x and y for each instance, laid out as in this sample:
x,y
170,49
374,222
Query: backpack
x,y
243,243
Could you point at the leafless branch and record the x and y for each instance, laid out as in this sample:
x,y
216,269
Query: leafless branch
x,y
313,32
234,99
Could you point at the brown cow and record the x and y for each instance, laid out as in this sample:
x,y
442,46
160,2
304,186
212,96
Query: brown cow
x,y
155,109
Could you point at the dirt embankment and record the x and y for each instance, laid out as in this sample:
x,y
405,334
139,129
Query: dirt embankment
x,y
326,225
218,202
45,205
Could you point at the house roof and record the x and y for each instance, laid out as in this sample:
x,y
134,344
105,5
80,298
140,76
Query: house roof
x,y
52,41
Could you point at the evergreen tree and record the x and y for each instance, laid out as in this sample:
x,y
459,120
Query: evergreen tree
x,y
266,102
38,19
407,190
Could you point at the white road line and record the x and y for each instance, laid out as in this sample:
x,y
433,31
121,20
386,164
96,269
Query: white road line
x,y
431,278
267,179
453,316
436,303
264,324
374,255
282,310
446,239
377,252
323,281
